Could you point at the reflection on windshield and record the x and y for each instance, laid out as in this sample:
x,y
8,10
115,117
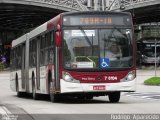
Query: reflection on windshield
x,y
149,50
151,53
116,47
99,48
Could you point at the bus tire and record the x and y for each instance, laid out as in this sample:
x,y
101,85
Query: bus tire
x,y
114,97
34,94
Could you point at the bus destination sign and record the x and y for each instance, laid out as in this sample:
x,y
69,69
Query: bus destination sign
x,y
96,20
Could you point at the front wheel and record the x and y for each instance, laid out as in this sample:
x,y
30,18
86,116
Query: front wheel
x,y
114,97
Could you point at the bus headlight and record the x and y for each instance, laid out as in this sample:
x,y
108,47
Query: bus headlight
x,y
68,78
144,57
129,77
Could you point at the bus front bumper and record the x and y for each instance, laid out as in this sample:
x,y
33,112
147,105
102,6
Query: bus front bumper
x,y
69,87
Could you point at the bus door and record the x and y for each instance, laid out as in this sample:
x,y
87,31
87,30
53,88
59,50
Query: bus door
x,y
54,54
23,65
57,63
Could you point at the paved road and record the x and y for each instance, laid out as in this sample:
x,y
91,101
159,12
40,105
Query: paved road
x,y
145,100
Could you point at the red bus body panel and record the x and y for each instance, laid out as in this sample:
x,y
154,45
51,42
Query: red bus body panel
x,y
99,77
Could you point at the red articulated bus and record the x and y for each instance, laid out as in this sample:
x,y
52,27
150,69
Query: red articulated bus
x,y
79,54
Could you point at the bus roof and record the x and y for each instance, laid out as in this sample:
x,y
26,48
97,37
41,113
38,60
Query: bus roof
x,y
29,35
42,28
19,40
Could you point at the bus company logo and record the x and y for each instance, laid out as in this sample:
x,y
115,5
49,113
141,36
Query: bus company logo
x,y
110,78
99,77
88,78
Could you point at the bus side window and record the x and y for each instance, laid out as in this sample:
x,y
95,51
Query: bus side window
x,y
16,56
42,45
30,53
34,52
51,48
46,47
11,59
20,57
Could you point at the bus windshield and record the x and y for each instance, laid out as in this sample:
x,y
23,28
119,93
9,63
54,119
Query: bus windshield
x,y
97,48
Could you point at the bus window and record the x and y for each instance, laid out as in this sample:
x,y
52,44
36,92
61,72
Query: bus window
x,y
51,48
42,45
20,57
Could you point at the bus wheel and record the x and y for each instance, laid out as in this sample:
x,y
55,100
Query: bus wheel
x,y
34,94
53,96
114,97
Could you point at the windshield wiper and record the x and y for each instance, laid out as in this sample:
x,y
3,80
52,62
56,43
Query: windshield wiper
x,y
87,39
115,28
85,36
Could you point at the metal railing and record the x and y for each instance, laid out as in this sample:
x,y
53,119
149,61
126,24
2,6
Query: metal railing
x,y
71,4
65,5
122,4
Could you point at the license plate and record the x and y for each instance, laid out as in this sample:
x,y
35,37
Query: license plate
x,y
99,87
